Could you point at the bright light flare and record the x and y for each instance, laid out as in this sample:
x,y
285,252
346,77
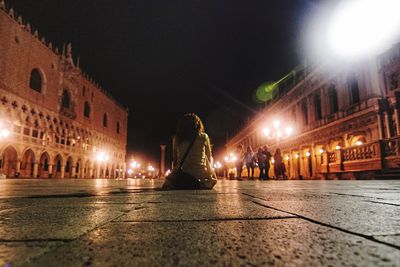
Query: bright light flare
x,y
308,154
359,143
337,147
217,165
363,27
102,156
4,133
266,132
321,151
288,131
277,124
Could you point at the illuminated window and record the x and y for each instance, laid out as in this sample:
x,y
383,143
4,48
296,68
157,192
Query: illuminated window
x,y
36,81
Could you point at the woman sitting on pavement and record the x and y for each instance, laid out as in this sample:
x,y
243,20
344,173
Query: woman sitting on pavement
x,y
193,157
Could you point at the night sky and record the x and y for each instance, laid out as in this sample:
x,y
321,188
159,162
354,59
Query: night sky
x,y
165,58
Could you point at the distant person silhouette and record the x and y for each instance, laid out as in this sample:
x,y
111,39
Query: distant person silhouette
x,y
239,161
250,162
193,157
279,166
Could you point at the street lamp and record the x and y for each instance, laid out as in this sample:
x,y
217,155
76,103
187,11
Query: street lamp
x,y
102,156
4,131
277,132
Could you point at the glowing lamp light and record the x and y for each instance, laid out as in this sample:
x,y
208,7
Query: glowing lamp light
x,y
129,171
297,156
308,154
289,130
277,124
102,157
360,28
321,151
337,147
273,161
287,158
359,143
168,172
226,159
217,165
266,132
4,133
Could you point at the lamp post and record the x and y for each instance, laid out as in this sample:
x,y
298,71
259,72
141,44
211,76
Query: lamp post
x,y
277,132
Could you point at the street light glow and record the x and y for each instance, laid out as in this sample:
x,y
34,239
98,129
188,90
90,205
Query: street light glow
x,y
102,156
4,133
360,28
359,143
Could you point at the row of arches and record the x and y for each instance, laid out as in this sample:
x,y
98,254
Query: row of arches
x,y
29,164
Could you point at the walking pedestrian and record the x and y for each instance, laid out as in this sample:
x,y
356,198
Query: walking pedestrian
x,y
267,161
249,159
279,166
239,161
261,157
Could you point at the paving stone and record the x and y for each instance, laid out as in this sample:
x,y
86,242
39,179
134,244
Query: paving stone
x,y
55,222
288,242
14,254
222,207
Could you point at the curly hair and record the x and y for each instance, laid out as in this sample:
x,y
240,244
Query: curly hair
x,y
189,126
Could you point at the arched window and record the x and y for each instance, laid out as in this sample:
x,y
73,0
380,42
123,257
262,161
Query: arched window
x,y
65,100
317,106
36,81
333,99
105,120
118,127
304,110
352,84
86,110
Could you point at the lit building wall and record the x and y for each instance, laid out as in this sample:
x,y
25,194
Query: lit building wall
x,y
346,124
59,119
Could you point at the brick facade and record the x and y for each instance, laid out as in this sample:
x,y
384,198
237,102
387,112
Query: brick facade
x,y
44,95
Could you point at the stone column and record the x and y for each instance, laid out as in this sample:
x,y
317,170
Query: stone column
x,y
35,169
124,170
50,170
73,171
397,120
163,147
380,125
90,172
387,125
62,175
18,168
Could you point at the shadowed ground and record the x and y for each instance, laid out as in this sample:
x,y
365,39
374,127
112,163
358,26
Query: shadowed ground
x,y
131,223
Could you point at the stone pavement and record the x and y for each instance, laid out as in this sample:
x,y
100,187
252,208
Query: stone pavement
x,y
239,223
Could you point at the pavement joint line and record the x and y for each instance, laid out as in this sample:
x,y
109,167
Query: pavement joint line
x,y
398,234
384,203
64,240
208,220
368,237
352,195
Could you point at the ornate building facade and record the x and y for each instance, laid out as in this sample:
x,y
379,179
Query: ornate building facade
x,y
54,120
346,123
